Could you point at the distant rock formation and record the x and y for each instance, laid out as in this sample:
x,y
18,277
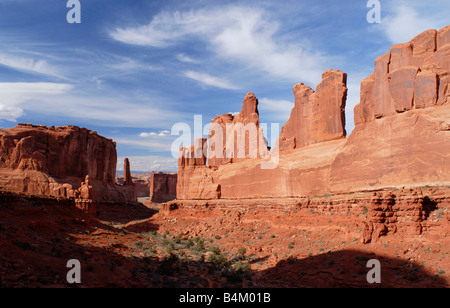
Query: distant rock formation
x,y
53,161
163,187
401,136
128,180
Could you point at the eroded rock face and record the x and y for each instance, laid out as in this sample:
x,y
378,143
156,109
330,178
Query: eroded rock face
x,y
163,187
412,75
317,116
42,161
401,138
194,178
58,151
127,179
235,138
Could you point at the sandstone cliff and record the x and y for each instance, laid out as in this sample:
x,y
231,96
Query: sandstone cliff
x,y
56,161
228,131
401,138
317,116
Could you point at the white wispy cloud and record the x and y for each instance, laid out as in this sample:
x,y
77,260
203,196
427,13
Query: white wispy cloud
x,y
154,145
279,110
29,65
131,65
15,97
162,133
209,80
234,33
185,58
63,100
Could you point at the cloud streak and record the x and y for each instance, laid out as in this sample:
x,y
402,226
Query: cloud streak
x,y
279,110
234,33
209,80
149,163
29,65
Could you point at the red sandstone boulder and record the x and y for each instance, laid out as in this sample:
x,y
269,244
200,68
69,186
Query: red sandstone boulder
x,y
401,87
426,88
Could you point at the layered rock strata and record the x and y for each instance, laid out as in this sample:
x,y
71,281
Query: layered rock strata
x,y
53,161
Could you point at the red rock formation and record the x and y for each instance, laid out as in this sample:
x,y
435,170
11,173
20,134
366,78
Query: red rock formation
x,y
127,179
235,138
401,136
53,161
58,151
194,179
411,76
141,183
317,116
163,187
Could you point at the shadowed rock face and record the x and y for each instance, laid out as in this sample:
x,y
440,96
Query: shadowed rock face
x,y
54,161
163,187
401,136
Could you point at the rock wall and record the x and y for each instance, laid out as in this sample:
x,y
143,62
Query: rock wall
x,y
401,138
43,161
412,75
163,187
402,133
195,179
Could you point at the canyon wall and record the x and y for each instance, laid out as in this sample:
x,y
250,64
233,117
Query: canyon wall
x,y
63,162
401,136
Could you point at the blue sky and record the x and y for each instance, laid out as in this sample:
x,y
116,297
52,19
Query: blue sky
x,y
132,69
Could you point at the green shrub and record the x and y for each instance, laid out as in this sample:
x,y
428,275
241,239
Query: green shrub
x,y
242,267
241,252
178,238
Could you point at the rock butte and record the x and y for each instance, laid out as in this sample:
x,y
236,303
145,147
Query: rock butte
x,y
53,161
401,136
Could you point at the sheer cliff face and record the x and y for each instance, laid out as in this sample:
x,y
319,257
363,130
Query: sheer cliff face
x,y
60,152
317,116
412,75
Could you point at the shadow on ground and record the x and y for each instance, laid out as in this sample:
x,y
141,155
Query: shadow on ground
x,y
37,238
347,269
